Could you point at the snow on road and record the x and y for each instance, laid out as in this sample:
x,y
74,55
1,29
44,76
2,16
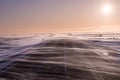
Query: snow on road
x,y
59,57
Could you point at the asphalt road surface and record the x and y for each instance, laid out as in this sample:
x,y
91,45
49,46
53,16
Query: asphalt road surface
x,y
61,59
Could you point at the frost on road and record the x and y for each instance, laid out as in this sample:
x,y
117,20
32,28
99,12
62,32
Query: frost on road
x,y
61,59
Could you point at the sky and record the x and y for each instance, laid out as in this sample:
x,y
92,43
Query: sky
x,y
58,16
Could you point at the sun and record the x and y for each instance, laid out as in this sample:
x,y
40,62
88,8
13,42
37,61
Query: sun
x,y
107,9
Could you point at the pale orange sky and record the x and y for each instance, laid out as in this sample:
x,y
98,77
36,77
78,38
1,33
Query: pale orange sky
x,y
57,16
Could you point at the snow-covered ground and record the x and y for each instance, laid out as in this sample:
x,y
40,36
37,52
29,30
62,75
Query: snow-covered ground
x,y
60,57
22,40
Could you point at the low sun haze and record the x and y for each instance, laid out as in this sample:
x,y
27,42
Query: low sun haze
x,y
59,16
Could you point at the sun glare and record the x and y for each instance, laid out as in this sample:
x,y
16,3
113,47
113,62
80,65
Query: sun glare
x,y
107,9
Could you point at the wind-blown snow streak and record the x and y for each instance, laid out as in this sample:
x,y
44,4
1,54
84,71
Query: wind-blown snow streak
x,y
61,59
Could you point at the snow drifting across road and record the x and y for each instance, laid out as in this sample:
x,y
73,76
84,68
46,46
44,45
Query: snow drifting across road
x,y
60,57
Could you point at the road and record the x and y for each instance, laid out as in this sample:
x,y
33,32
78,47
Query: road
x,y
61,59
